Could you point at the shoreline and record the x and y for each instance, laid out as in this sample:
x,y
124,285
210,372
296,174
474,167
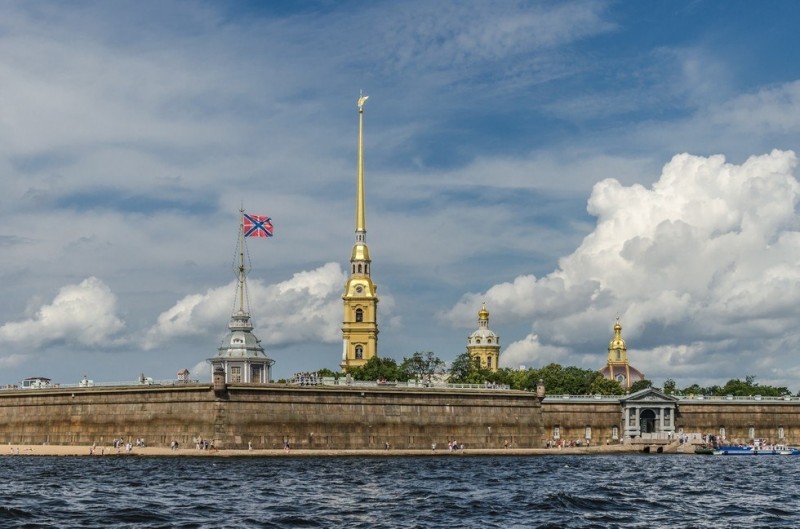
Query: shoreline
x,y
85,451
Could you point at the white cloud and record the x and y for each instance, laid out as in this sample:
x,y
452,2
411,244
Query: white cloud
x,y
13,360
706,255
306,307
201,371
530,348
83,314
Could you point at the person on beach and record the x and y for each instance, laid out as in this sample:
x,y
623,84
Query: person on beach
x,y
286,445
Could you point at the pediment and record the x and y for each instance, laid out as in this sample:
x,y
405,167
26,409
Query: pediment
x,y
648,395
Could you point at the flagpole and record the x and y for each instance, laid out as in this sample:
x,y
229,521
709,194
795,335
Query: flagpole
x,y
241,260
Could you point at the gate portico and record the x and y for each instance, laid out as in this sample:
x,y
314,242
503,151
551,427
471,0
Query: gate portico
x,y
648,413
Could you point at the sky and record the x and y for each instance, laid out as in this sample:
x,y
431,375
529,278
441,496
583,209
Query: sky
x,y
567,163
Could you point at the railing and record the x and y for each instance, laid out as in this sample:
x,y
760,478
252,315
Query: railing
x,y
93,384
681,398
331,381
584,398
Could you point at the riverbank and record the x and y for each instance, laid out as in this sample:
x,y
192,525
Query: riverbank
x,y
81,450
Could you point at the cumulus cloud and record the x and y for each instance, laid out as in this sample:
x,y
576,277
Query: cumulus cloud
x,y
82,314
12,360
702,261
306,307
530,348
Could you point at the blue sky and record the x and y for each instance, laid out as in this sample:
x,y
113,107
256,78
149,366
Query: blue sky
x,y
565,162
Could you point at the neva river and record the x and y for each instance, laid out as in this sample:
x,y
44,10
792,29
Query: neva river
x,y
448,491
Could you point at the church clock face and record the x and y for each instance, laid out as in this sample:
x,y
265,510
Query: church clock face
x,y
359,289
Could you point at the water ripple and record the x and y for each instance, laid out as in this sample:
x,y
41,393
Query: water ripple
x,y
580,492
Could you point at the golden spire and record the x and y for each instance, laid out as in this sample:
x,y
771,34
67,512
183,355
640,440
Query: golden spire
x,y
360,323
617,350
360,250
483,314
361,221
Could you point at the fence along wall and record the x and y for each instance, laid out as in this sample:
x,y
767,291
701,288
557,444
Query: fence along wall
x,y
312,417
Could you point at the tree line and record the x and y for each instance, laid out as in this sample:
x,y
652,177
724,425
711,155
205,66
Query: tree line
x,y
557,379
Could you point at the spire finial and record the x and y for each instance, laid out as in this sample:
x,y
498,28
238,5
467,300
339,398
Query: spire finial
x,y
361,100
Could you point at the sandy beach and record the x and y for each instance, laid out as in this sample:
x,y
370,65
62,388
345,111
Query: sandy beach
x,y
108,451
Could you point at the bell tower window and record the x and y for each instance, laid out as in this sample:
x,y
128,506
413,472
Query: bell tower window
x,y
359,352
359,315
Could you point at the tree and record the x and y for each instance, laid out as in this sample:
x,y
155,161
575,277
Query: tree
x,y
669,386
749,388
603,386
640,385
325,372
423,366
377,368
467,370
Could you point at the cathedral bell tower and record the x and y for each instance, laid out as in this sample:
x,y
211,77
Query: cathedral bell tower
x,y
617,367
360,324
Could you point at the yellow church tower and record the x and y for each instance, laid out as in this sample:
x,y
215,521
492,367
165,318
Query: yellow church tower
x,y
617,368
483,345
360,324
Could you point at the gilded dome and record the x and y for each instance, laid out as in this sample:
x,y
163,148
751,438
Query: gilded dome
x,y
617,342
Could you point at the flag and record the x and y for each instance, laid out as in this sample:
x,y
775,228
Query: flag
x,y
256,225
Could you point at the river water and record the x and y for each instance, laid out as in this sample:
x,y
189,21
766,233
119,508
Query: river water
x,y
449,491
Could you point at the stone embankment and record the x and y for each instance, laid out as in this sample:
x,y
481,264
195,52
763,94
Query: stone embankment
x,y
81,450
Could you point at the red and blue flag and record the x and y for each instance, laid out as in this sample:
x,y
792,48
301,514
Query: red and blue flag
x,y
256,225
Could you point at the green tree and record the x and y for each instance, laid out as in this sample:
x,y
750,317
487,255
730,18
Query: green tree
x,y
467,370
639,385
694,389
669,387
749,387
377,368
603,386
423,366
325,372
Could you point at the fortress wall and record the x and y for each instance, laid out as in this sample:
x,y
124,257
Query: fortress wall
x,y
338,417
738,417
572,418
308,417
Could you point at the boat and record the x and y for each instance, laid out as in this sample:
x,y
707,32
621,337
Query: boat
x,y
756,450
704,450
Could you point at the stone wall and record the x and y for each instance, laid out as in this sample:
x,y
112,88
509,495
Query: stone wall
x,y
737,418
308,417
572,417
338,417
768,419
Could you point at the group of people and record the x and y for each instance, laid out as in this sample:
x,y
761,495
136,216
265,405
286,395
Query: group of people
x,y
307,379
563,443
204,444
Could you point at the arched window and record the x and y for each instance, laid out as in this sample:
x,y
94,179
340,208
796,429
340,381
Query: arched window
x,y
359,315
619,354
359,269
359,352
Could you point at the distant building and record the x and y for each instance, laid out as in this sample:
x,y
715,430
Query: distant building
x,y
36,383
617,368
241,356
483,345
360,323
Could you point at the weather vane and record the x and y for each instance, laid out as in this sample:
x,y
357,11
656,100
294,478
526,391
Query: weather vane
x,y
361,100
